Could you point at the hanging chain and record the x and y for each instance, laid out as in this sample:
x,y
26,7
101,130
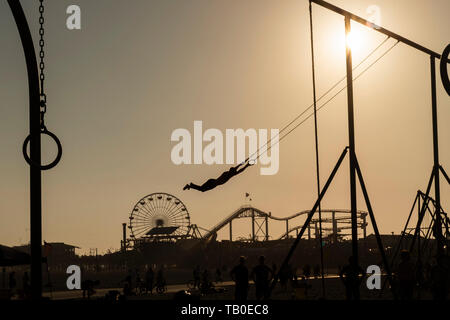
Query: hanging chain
x,y
43,96
42,104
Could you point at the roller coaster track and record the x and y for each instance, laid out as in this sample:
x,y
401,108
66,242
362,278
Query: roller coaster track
x,y
249,211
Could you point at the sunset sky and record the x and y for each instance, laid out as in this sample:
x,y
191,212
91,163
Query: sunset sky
x,y
137,70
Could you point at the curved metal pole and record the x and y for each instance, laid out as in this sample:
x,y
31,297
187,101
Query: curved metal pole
x,y
35,148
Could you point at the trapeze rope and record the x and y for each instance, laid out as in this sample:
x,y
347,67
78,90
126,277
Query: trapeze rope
x,y
317,145
320,98
323,105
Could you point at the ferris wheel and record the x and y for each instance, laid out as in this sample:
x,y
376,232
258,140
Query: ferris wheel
x,y
159,215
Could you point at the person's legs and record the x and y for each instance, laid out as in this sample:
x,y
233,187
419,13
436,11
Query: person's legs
x,y
240,293
245,293
348,292
259,291
408,291
208,185
356,292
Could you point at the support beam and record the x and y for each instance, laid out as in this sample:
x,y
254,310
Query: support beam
x,y
287,229
124,235
231,231
308,220
35,149
376,28
445,174
267,228
316,231
351,138
437,190
365,226
375,228
403,233
253,225
335,229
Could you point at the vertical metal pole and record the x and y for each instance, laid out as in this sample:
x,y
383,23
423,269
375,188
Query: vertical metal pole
x,y
351,138
3,278
334,222
35,149
231,231
437,191
365,226
267,228
253,225
124,231
287,229
418,237
316,231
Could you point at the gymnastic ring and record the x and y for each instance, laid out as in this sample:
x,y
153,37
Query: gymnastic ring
x,y
443,67
47,166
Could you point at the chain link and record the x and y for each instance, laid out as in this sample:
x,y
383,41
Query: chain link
x,y
42,102
43,97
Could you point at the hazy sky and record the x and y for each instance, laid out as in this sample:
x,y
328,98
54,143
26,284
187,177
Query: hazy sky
x,y
137,70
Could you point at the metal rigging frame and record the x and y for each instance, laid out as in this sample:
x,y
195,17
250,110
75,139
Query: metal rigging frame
x,y
354,166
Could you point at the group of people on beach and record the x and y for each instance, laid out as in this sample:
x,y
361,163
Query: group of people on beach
x,y
263,276
25,290
409,278
134,284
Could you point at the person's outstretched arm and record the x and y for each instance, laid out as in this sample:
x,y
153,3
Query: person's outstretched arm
x,y
239,165
243,168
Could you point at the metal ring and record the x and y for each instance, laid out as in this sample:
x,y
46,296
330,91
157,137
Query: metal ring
x,y
47,166
443,67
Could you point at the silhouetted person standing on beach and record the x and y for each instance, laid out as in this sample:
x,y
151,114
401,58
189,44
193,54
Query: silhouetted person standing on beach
x,y
261,274
12,281
316,271
218,275
283,276
149,276
127,288
351,275
307,271
440,278
197,278
26,284
240,276
88,287
224,177
406,276
160,280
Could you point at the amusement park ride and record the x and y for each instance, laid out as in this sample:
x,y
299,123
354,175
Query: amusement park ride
x,y
159,217
163,216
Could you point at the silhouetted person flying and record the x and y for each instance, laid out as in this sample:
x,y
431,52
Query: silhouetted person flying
x,y
224,177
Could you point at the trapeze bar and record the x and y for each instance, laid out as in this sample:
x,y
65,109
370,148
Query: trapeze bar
x,y
377,28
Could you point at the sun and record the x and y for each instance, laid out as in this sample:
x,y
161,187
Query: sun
x,y
354,39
